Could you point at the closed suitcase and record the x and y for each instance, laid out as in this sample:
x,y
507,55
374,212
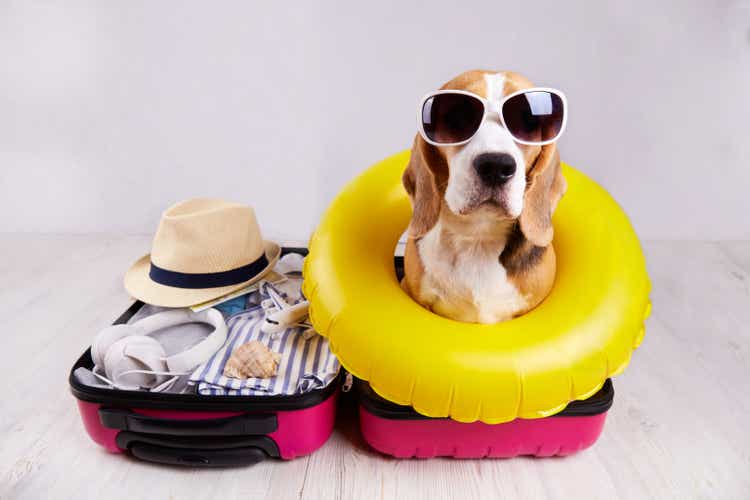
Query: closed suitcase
x,y
198,430
401,432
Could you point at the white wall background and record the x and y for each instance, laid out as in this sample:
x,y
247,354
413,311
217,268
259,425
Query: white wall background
x,y
111,111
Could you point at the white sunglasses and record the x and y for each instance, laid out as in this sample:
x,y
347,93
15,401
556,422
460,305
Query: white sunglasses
x,y
535,116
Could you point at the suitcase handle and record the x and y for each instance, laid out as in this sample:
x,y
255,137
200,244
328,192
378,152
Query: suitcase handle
x,y
241,425
198,451
196,457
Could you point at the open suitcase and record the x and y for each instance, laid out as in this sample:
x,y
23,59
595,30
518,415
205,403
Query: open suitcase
x,y
195,430
401,432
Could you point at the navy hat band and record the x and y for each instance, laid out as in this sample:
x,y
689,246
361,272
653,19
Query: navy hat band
x,y
208,280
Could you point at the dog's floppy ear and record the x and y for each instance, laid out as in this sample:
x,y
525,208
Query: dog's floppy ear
x,y
421,184
545,186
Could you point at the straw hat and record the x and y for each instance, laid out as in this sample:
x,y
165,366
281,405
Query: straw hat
x,y
203,249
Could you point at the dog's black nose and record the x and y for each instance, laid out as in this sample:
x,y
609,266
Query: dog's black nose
x,y
495,169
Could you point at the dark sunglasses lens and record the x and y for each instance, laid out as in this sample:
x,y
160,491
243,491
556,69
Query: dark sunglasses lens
x,y
449,118
535,116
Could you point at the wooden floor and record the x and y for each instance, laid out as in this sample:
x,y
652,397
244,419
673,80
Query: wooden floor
x,y
679,428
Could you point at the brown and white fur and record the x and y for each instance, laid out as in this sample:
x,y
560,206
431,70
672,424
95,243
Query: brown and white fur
x,y
476,252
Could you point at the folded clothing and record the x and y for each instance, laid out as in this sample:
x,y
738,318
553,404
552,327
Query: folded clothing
x,y
306,360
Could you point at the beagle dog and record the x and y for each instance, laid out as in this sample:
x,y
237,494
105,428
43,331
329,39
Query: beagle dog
x,y
479,244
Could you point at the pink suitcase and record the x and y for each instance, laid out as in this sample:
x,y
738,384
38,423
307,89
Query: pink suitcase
x,y
401,432
194,430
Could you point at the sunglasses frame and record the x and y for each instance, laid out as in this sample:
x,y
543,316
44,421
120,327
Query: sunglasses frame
x,y
490,107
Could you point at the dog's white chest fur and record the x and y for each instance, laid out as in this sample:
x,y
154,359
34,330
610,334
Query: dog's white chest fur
x,y
463,279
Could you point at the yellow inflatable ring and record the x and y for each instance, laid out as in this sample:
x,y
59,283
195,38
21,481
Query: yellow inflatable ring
x,y
528,367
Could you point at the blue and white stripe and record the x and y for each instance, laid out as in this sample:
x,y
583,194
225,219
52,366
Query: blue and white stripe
x,y
306,363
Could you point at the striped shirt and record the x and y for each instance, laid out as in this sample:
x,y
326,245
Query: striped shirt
x,y
306,363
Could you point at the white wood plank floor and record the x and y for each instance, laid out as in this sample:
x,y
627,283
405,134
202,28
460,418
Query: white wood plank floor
x,y
679,428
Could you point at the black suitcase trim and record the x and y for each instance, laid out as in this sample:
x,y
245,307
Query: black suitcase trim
x,y
240,425
380,407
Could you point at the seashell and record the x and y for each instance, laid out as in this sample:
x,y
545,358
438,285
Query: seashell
x,y
252,360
